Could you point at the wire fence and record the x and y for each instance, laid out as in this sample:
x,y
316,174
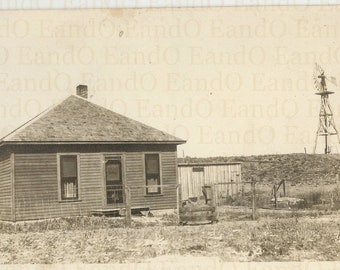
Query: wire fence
x,y
283,194
129,200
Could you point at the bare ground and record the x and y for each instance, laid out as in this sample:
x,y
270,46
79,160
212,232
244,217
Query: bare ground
x,y
274,236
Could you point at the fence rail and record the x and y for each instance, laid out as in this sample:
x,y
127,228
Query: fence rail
x,y
252,194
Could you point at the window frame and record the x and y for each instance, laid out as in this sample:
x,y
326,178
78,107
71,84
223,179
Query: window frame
x,y
160,192
60,199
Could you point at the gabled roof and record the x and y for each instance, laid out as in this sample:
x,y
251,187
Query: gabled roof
x,y
76,120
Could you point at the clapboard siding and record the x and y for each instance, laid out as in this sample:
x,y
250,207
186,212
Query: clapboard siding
x,y
36,185
134,177
134,163
91,180
5,188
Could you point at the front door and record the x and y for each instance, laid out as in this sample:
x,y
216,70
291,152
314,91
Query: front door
x,y
114,181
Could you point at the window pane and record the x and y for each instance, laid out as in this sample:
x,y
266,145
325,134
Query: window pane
x,y
113,171
69,188
152,164
150,183
68,166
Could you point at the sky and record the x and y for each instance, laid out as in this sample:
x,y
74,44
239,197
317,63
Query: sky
x,y
230,81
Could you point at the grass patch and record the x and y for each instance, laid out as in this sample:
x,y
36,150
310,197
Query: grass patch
x,y
292,237
327,195
62,224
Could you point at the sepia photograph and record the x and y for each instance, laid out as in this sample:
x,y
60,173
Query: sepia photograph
x,y
169,137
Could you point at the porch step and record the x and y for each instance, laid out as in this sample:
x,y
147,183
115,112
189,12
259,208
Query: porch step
x,y
116,212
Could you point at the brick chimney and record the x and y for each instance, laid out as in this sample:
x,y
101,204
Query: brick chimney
x,y
82,91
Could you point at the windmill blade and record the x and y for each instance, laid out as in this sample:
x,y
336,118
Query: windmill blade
x,y
317,83
317,86
319,69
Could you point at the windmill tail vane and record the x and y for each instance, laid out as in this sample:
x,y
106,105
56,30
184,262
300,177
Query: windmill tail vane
x,y
332,80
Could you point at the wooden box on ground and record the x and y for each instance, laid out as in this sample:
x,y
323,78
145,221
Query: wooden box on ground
x,y
197,214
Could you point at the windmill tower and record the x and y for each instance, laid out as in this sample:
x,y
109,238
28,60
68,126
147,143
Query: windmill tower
x,y
326,125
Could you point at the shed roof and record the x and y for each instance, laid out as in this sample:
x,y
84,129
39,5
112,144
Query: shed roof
x,y
77,120
205,164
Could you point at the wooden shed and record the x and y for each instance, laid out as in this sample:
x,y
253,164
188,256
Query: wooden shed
x,y
78,157
225,178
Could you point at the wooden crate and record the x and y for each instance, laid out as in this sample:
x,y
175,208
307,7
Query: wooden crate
x,y
197,214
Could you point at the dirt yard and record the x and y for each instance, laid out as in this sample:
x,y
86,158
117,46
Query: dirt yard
x,y
275,236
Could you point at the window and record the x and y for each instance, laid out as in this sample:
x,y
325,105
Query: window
x,y
152,174
68,177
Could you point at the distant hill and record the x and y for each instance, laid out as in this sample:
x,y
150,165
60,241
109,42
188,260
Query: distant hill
x,y
298,168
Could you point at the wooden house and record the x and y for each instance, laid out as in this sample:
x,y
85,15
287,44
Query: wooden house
x,y
224,178
77,157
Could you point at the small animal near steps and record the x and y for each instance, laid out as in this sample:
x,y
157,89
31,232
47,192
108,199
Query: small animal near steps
x,y
197,214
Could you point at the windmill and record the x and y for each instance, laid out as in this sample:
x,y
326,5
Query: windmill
x,y
326,125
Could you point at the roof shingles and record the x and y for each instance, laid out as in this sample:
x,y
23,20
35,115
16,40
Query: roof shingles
x,y
78,120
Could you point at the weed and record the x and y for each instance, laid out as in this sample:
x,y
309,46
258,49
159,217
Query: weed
x,y
169,219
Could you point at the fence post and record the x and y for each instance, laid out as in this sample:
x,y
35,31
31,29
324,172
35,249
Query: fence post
x,y
275,196
253,216
284,187
178,187
332,200
214,195
128,206
179,202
